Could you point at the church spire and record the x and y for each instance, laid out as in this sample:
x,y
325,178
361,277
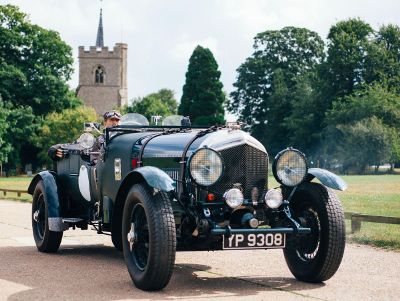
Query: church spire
x,y
100,37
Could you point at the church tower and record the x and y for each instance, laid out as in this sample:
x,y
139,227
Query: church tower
x,y
103,74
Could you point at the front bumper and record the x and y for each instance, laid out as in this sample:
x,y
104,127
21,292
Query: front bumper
x,y
228,231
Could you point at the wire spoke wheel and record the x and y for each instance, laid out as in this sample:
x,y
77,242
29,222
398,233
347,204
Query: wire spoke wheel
x,y
46,240
315,257
39,216
140,246
148,237
308,245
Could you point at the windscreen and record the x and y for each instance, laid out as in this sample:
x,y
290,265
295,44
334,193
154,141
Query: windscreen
x,y
174,120
134,119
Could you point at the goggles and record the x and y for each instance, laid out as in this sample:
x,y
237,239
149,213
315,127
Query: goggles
x,y
112,114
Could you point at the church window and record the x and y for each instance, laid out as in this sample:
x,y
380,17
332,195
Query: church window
x,y
99,75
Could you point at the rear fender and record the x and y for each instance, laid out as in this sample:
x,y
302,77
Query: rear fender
x,y
327,178
50,189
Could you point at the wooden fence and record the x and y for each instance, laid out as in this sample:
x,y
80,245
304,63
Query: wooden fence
x,y
18,192
357,218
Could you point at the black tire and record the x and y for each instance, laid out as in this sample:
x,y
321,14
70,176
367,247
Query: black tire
x,y
116,238
150,258
46,241
316,257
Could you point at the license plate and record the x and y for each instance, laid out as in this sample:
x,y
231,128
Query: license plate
x,y
254,241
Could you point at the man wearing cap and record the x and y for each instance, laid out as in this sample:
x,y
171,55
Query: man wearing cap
x,y
111,118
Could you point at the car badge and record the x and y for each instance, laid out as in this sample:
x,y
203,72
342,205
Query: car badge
x,y
117,169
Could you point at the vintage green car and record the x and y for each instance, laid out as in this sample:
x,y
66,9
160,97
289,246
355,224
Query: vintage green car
x,y
161,189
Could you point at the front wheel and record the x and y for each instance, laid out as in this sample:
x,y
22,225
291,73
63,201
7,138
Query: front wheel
x,y
46,241
148,237
315,257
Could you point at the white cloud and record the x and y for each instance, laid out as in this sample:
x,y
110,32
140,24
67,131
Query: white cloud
x,y
161,35
185,46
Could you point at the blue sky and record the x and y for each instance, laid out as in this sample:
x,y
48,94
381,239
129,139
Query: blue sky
x,y
161,35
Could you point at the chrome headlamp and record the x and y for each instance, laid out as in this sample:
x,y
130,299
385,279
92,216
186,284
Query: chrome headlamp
x,y
86,140
233,197
273,198
205,166
290,167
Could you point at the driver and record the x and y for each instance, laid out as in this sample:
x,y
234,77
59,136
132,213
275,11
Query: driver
x,y
111,118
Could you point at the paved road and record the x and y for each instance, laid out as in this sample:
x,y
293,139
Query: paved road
x,y
87,267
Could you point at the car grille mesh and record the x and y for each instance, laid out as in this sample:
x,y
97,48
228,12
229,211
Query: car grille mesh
x,y
246,165
242,164
172,172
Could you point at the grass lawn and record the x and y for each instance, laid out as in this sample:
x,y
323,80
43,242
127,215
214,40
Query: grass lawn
x,y
19,183
373,195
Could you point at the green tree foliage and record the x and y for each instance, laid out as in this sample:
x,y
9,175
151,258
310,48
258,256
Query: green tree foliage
x,y
374,100
269,79
203,99
363,143
22,126
304,124
34,67
290,94
383,60
161,103
348,46
5,146
167,97
34,64
377,105
63,127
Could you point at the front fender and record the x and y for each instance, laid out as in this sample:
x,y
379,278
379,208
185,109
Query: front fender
x,y
51,194
327,178
156,178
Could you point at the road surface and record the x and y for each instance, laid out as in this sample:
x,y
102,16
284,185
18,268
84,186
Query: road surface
x,y
87,267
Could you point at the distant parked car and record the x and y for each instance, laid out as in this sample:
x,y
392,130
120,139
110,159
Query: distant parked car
x,y
159,189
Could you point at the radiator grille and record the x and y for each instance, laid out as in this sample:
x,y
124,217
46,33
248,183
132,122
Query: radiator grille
x,y
245,165
172,172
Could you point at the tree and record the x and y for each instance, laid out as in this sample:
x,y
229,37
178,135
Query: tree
x,y
365,142
304,123
22,126
34,67
34,64
267,81
161,103
348,46
383,60
167,97
203,99
63,127
349,119
5,146
373,100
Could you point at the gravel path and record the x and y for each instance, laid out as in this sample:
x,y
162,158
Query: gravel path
x,y
87,267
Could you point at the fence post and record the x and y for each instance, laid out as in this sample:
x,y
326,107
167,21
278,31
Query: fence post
x,y
355,224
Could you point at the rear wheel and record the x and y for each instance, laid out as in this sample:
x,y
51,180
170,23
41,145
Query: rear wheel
x,y
46,240
148,237
315,257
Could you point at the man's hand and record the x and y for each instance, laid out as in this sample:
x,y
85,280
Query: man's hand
x,y
59,153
